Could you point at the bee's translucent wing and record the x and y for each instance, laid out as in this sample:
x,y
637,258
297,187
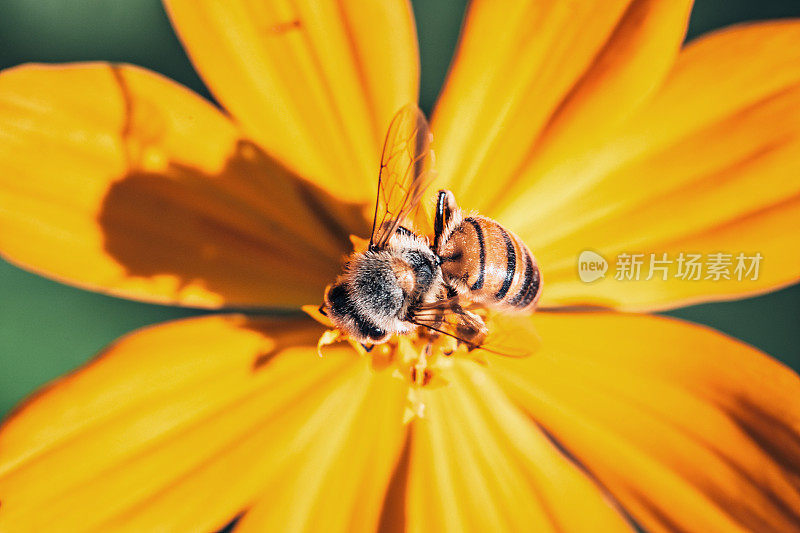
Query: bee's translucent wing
x,y
404,175
511,336
448,317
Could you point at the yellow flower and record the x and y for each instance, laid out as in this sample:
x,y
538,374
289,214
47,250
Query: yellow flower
x,y
577,125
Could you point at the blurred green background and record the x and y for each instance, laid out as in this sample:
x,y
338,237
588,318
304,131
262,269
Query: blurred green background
x,y
47,329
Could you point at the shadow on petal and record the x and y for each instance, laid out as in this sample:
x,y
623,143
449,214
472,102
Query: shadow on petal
x,y
252,228
393,514
772,435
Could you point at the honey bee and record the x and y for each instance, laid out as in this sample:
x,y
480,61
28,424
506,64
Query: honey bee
x,y
402,282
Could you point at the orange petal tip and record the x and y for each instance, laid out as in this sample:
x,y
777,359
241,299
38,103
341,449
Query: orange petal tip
x,y
314,312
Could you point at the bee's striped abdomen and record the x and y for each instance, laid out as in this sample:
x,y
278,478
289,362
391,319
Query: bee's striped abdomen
x,y
480,271
492,264
529,288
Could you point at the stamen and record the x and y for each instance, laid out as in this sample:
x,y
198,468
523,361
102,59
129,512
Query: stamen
x,y
418,359
330,336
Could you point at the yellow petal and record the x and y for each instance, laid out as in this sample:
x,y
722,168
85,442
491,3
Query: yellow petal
x,y
709,165
478,463
338,482
116,179
146,436
540,80
688,429
315,83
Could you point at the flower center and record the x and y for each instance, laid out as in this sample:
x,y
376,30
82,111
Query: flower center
x,y
419,358
416,357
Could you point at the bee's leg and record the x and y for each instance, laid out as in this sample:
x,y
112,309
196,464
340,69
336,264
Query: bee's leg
x,y
368,348
450,291
419,372
474,332
322,310
430,336
433,334
445,207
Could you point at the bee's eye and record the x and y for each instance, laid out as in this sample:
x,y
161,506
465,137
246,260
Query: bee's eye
x,y
371,331
338,300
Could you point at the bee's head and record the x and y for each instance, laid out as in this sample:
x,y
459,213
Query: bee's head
x,y
343,310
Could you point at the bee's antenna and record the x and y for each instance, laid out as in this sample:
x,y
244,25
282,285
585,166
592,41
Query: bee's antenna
x,y
472,345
